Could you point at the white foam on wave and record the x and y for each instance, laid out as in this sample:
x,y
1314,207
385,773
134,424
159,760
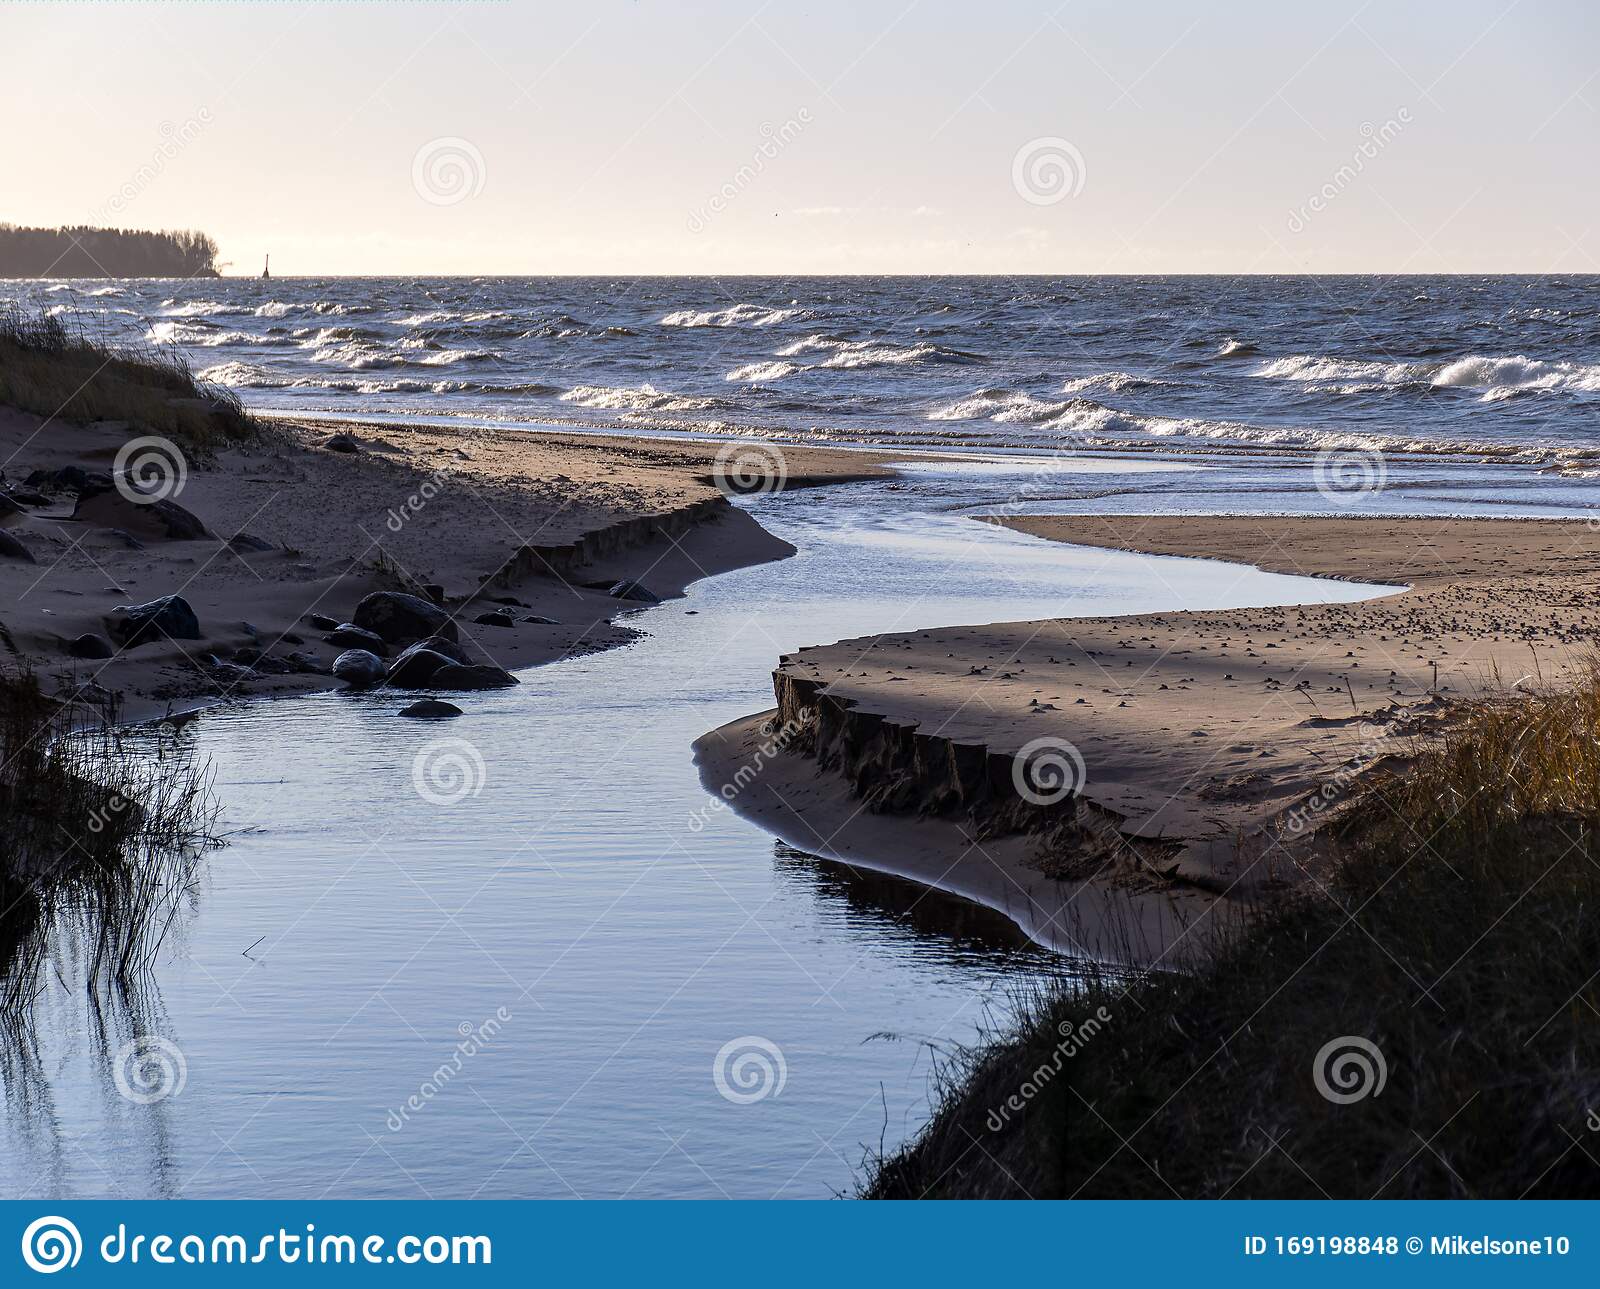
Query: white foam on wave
x,y
1500,376
175,331
195,308
1004,405
645,398
1311,368
764,371
242,376
736,315
853,354
1115,382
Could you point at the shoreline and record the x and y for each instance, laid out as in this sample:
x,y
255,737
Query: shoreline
x,y
1209,762
475,520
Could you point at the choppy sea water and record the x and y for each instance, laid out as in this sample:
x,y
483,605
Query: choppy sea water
x,y
1503,366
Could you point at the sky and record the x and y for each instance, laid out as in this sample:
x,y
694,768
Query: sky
x,y
641,136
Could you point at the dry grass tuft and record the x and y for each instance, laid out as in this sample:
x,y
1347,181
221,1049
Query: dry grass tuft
x,y
52,370
1459,936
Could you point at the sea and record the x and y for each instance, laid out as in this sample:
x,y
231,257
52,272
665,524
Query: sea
x,y
1501,368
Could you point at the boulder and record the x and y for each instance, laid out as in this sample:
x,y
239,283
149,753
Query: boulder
x,y
400,618
153,519
449,648
89,645
538,621
416,668
70,478
632,591
349,636
12,548
322,622
307,662
498,618
457,675
430,708
169,616
358,668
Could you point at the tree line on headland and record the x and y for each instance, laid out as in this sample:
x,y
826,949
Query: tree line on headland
x,y
105,252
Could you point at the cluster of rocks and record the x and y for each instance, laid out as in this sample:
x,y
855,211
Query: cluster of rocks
x,y
424,642
430,655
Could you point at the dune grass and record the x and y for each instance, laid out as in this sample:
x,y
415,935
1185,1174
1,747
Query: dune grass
x,y
98,842
1443,985
54,370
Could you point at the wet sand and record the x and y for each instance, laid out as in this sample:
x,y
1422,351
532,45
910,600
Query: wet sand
x,y
1213,743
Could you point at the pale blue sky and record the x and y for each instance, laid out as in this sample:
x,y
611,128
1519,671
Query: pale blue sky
x,y
614,137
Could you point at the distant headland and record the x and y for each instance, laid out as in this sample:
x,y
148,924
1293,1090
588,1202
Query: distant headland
x,y
104,252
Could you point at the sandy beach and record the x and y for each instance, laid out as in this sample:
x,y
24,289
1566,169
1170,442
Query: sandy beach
x,y
1212,745
485,520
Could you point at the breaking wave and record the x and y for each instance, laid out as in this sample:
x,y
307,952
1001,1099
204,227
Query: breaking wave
x,y
736,315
